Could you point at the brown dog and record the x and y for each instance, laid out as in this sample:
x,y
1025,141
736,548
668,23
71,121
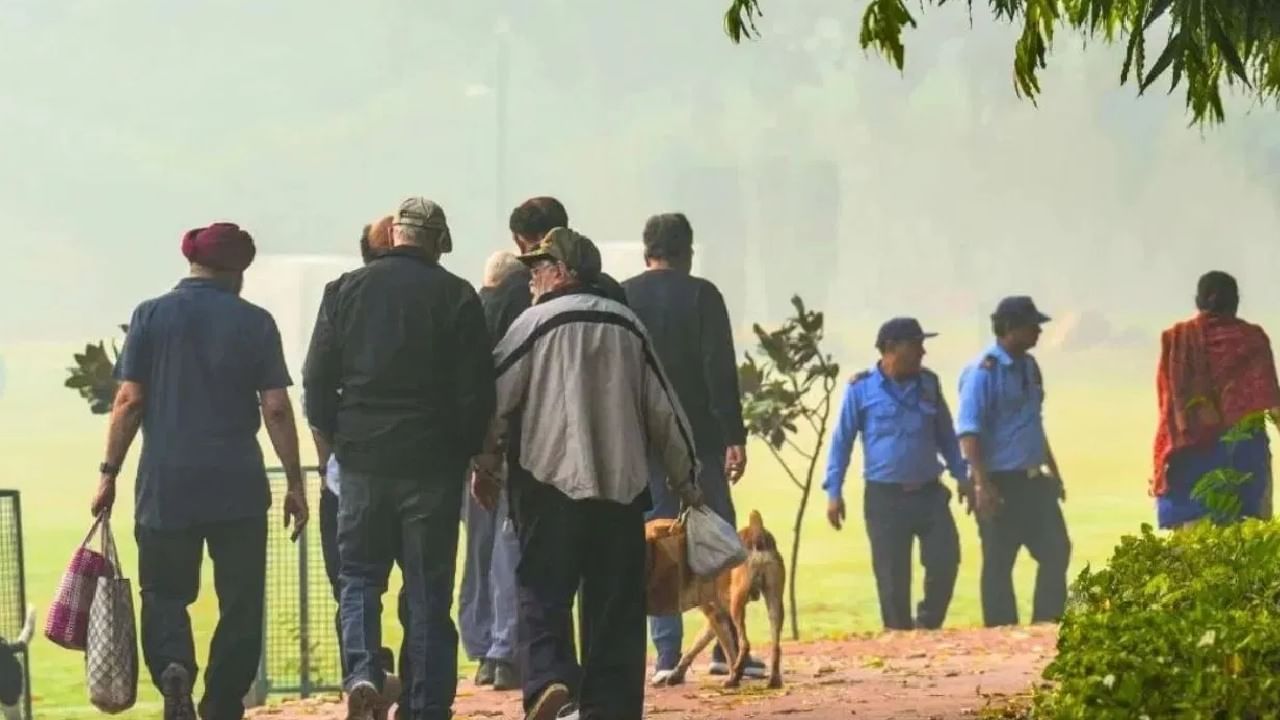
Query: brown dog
x,y
763,575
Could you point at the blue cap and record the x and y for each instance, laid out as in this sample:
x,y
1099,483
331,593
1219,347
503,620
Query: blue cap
x,y
899,329
1019,309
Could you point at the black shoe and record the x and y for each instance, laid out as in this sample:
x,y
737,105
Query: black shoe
x,y
363,701
175,686
485,673
549,703
505,676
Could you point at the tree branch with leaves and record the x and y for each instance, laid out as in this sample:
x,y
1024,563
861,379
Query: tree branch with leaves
x,y
786,402
93,376
1208,43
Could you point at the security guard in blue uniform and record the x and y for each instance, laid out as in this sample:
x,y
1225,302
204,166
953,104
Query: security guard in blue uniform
x,y
1016,483
898,408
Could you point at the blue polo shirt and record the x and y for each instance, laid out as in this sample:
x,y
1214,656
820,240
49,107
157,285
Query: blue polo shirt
x,y
201,354
905,426
1001,402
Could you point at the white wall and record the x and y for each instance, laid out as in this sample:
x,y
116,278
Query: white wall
x,y
290,287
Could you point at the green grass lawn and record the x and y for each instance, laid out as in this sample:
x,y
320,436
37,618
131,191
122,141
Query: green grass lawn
x,y
1100,428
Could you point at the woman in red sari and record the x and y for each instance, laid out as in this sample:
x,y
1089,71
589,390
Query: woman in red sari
x,y
1215,369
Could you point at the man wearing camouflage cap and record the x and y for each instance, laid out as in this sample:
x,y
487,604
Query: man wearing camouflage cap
x,y
399,381
582,400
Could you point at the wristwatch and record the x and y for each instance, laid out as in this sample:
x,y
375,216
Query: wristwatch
x,y
107,468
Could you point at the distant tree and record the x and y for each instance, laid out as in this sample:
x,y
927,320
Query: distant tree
x,y
1208,43
786,402
93,375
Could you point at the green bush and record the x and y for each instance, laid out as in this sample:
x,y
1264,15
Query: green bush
x,y
1179,626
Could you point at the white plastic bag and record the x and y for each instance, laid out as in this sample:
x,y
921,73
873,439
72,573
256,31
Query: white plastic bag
x,y
713,544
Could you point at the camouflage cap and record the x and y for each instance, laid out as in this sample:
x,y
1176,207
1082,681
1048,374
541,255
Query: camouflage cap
x,y
423,213
574,250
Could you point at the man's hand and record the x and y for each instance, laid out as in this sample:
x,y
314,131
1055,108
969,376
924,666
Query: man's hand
x,y
105,498
295,509
485,489
735,462
964,496
986,500
835,513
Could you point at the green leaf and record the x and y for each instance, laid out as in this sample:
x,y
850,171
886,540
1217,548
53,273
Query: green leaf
x,y
1173,48
1227,47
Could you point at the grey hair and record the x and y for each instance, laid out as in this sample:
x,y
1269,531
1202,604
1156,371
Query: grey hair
x,y
499,267
414,235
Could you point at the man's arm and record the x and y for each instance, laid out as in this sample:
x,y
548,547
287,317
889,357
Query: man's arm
x,y
668,431
323,450
473,375
949,444
321,370
719,366
969,425
126,419
842,439
277,415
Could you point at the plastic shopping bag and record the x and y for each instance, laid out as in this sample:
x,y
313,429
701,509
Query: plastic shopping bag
x,y
713,544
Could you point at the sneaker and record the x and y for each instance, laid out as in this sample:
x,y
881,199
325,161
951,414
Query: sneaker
x,y
505,676
175,686
568,712
754,669
550,703
363,701
485,673
661,678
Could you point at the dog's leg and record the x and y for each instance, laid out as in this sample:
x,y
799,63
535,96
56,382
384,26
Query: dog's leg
x,y
682,669
773,602
738,611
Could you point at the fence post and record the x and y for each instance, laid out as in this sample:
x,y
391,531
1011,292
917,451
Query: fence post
x,y
22,596
304,614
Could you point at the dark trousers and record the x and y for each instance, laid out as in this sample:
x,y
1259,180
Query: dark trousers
x,y
1030,517
380,517
169,579
597,547
329,550
896,516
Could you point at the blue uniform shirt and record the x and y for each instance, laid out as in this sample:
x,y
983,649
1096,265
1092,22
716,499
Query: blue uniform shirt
x,y
904,426
202,355
1001,399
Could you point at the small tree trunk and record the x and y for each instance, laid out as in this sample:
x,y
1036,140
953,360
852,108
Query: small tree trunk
x,y
795,556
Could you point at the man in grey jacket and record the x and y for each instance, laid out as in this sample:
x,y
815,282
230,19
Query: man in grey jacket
x,y
582,401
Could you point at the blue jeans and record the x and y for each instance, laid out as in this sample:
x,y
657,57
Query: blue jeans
x,y
667,631
488,602
418,515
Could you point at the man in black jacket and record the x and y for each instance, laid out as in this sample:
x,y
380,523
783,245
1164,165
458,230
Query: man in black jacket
x,y
530,222
687,319
405,341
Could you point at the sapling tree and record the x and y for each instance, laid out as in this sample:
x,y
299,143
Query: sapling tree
x,y
786,402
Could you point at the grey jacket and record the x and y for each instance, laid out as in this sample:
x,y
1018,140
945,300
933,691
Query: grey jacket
x,y
593,401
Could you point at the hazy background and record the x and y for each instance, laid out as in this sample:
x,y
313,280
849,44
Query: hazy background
x,y
804,165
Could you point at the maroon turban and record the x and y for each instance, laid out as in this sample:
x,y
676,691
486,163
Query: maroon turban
x,y
221,246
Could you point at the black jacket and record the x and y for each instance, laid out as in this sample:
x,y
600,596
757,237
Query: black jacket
x,y
689,324
399,374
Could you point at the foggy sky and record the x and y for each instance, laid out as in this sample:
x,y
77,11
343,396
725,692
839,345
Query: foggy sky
x,y
932,193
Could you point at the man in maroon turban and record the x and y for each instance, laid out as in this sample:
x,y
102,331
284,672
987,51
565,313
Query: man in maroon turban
x,y
200,372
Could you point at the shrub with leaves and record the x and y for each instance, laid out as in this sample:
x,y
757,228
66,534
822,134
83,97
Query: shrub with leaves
x,y
93,375
786,401
1185,625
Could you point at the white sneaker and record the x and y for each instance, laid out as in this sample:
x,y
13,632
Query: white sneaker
x,y
661,677
568,712
754,669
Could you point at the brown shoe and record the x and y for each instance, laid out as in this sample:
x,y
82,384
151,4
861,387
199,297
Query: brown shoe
x,y
549,703
363,701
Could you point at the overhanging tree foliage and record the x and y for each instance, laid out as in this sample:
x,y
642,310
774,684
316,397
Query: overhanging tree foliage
x,y
1208,43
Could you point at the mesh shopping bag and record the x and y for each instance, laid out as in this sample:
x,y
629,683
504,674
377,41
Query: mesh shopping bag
x,y
111,655
67,623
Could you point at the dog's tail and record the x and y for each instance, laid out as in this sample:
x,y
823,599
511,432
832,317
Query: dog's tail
x,y
28,630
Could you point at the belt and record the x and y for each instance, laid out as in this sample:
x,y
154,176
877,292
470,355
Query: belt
x,y
1028,473
904,487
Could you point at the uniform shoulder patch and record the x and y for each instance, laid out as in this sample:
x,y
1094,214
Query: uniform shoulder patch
x,y
930,386
989,362
859,377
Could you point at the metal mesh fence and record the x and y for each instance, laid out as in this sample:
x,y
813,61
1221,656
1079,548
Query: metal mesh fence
x,y
13,591
300,644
